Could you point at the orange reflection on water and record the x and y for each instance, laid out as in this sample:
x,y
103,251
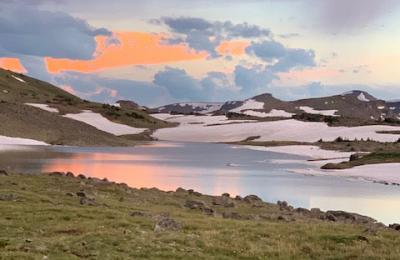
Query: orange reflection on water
x,y
144,171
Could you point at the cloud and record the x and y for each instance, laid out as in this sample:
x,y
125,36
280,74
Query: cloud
x,y
203,35
344,15
13,64
108,90
133,48
253,80
284,59
26,30
179,84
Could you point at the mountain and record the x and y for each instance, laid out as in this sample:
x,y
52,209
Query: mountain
x,y
34,109
189,108
353,105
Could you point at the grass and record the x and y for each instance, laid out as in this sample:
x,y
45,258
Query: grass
x,y
42,221
371,158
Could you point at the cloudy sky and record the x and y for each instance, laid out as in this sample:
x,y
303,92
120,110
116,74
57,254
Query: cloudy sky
x,y
161,51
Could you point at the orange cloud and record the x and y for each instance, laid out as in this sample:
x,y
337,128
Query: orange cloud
x,y
135,48
235,48
12,64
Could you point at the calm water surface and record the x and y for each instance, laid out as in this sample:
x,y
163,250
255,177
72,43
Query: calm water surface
x,y
215,169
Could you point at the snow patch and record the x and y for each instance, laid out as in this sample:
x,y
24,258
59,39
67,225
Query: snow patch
x,y
19,79
282,130
13,142
272,113
249,104
362,98
43,107
103,124
311,110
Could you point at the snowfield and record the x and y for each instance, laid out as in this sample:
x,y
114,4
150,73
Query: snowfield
x,y
272,113
43,107
249,104
201,129
362,98
15,143
104,124
311,110
387,172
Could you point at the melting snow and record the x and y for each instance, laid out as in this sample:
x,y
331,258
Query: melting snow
x,y
104,124
282,130
311,110
272,113
19,79
7,143
362,98
43,107
249,104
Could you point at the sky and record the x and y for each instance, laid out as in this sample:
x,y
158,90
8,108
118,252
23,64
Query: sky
x,y
157,52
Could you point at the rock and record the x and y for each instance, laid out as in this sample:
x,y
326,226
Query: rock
x,y
238,198
8,197
316,213
303,211
167,224
223,201
251,199
283,205
81,194
81,176
56,174
195,193
330,217
226,195
70,174
351,217
70,194
193,204
362,238
139,214
3,173
282,218
180,190
356,156
87,201
231,215
395,226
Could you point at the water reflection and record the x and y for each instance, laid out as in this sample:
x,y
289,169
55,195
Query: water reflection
x,y
208,168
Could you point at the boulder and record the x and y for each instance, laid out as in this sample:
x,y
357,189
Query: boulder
x,y
56,174
351,217
87,201
395,226
195,193
3,173
81,194
200,205
167,224
252,198
223,201
70,174
283,205
8,197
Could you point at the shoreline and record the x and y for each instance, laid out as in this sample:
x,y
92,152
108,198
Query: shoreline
x,y
84,217
383,173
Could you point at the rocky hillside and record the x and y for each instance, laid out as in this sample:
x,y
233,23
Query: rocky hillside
x,y
33,109
89,218
189,108
355,104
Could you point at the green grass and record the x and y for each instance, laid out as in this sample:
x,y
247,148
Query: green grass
x,y
44,221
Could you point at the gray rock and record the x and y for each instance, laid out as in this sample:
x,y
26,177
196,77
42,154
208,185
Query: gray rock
x,y
200,205
223,201
69,174
3,173
87,201
395,226
167,224
8,197
81,194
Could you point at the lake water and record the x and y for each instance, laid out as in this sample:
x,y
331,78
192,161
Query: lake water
x,y
214,169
